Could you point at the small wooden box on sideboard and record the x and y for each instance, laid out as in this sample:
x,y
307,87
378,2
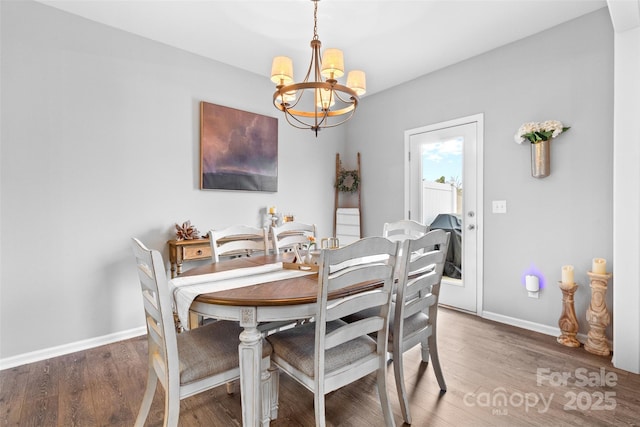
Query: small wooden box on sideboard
x,y
187,250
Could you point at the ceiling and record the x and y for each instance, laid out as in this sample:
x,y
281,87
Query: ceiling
x,y
394,41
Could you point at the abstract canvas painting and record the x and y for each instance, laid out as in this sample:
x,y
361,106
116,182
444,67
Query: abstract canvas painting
x,y
238,149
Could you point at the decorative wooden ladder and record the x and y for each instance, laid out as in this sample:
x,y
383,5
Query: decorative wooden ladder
x,y
336,223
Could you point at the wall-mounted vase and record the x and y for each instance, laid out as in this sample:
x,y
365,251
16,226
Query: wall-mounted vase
x,y
541,159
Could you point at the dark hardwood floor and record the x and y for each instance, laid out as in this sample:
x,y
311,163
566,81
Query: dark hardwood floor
x,y
497,375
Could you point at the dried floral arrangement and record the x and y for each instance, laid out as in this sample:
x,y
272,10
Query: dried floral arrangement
x,y
186,231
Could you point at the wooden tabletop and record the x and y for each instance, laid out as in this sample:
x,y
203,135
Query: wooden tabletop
x,y
298,290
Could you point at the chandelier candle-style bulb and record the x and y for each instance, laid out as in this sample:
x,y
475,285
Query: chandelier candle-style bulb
x,y
288,98
319,101
324,99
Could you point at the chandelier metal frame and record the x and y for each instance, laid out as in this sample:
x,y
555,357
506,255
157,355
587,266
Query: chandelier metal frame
x,y
326,94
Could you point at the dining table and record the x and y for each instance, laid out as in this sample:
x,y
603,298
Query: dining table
x,y
262,292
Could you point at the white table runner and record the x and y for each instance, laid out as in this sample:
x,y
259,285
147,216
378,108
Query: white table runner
x,y
186,289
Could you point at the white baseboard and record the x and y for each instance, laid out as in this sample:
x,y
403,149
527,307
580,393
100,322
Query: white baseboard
x,y
47,353
531,326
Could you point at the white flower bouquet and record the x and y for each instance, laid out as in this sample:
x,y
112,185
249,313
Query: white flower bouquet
x,y
536,132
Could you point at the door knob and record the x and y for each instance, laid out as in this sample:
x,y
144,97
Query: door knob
x,y
471,227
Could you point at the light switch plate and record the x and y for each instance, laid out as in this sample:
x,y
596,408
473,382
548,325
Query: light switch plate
x,y
499,206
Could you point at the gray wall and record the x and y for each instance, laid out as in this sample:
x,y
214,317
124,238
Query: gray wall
x,y
565,73
100,142
100,133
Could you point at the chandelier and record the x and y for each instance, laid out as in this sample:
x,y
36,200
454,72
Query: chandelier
x,y
319,101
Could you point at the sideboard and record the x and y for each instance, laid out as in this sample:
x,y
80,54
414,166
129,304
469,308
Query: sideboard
x,y
187,250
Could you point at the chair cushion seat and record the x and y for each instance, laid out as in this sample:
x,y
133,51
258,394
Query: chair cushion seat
x,y
297,345
210,349
412,324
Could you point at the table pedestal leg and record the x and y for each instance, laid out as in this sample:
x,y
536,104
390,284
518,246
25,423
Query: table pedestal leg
x,y
598,315
250,352
568,322
265,385
275,386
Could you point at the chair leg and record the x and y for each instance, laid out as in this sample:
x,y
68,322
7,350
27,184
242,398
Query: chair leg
x,y
318,405
152,382
384,394
171,406
398,370
231,387
424,345
435,361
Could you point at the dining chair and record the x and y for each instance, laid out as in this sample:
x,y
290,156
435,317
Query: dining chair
x,y
416,308
290,234
192,361
329,353
404,229
237,240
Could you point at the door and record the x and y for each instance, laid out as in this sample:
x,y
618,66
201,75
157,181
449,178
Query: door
x,y
450,154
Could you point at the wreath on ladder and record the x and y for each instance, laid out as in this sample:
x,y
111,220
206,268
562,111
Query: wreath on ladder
x,y
348,181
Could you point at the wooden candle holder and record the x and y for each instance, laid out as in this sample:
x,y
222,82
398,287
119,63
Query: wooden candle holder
x,y
598,315
568,321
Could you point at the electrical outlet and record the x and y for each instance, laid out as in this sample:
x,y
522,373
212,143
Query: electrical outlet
x,y
499,206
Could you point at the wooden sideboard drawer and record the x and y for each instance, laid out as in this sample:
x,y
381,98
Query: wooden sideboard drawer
x,y
187,250
199,252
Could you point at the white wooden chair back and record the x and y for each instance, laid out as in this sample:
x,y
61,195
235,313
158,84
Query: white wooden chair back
x,y
404,229
416,306
372,259
208,356
290,234
161,333
420,285
238,239
329,353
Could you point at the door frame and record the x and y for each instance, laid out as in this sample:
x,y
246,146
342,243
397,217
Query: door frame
x,y
479,186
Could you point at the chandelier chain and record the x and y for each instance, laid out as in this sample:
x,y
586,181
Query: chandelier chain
x,y
315,20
